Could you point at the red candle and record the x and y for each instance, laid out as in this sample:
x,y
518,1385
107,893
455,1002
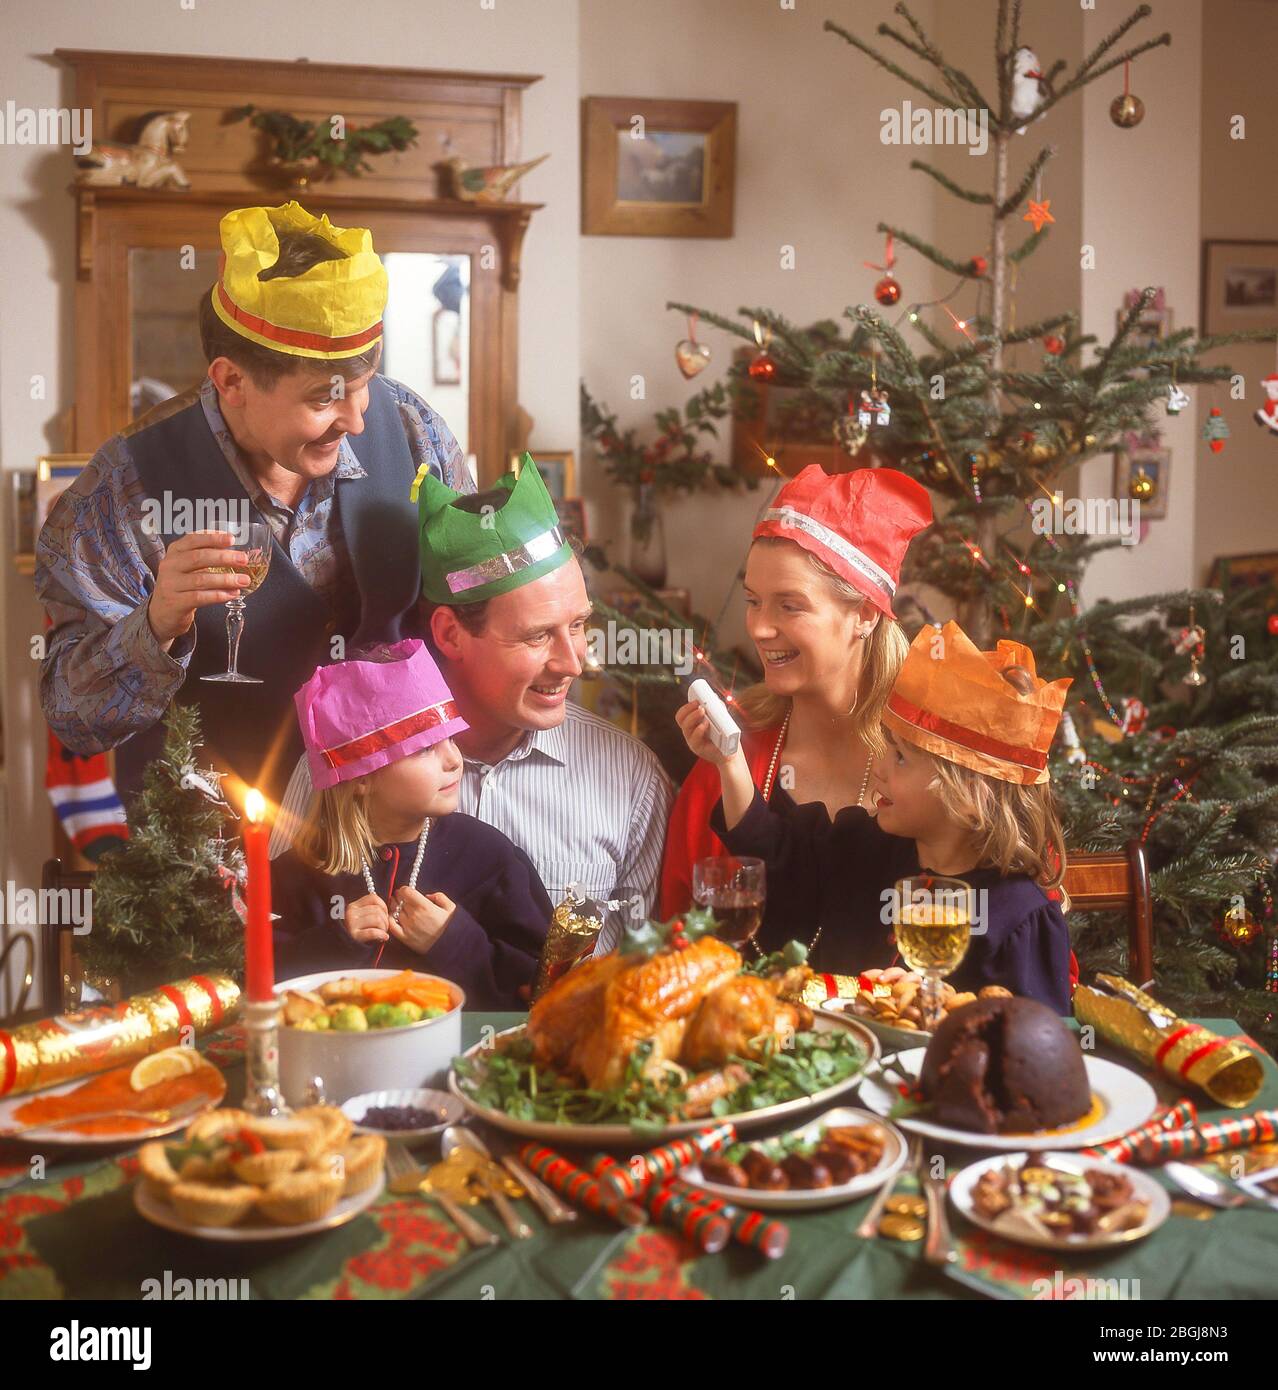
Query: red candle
x,y
259,958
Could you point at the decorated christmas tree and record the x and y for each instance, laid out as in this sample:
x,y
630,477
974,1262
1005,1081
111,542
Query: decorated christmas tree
x,y
1173,738
166,904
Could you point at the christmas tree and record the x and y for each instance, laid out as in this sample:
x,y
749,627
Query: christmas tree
x,y
165,903
1174,735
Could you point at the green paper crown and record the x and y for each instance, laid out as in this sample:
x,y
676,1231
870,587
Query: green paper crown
x,y
471,555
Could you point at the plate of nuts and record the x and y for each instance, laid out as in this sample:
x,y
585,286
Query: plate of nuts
x,y
887,1002
836,1158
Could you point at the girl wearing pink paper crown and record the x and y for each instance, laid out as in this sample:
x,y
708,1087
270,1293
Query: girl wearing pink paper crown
x,y
382,870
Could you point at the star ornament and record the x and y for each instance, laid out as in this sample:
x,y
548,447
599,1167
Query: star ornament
x,y
1038,214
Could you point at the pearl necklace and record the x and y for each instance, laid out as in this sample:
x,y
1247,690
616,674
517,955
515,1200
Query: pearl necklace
x,y
766,790
412,878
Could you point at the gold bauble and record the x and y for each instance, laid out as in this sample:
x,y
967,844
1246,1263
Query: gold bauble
x,y
1127,111
1142,486
1239,926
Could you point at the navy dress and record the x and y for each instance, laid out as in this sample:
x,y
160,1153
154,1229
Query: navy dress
x,y
833,874
489,948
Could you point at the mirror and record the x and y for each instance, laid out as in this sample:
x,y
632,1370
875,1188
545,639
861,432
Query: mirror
x,y
426,343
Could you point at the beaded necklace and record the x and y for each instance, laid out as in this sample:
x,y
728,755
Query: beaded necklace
x,y
412,878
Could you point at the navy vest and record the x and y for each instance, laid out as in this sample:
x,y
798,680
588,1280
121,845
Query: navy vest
x,y
252,729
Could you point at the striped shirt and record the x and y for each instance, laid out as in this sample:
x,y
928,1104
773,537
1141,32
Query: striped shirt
x,y
586,802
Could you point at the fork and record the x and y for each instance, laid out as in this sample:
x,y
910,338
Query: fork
x,y
406,1176
157,1117
938,1249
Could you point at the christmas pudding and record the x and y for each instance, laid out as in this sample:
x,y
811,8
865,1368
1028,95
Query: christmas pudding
x,y
1005,1066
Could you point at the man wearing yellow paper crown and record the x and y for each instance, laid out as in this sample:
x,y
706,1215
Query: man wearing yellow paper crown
x,y
293,426
508,614
962,790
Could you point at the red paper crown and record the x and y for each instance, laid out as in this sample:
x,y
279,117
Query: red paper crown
x,y
859,524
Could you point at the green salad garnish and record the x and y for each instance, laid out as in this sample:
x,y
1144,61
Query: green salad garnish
x,y
511,1081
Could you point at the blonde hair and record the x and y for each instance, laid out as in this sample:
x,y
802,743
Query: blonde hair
x,y
1016,829
335,837
885,651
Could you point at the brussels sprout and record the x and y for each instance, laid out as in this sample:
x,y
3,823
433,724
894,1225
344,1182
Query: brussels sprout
x,y
350,1019
380,1015
321,1023
412,1012
433,1013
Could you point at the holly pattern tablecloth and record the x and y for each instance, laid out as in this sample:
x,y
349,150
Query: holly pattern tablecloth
x,y
69,1229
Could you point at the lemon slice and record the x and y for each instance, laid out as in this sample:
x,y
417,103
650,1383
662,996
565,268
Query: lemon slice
x,y
164,1066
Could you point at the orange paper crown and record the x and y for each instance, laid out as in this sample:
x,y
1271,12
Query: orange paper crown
x,y
330,311
952,699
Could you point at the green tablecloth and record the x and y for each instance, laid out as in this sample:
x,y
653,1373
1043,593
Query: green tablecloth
x,y
72,1232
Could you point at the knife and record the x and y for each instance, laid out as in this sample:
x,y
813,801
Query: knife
x,y
555,1211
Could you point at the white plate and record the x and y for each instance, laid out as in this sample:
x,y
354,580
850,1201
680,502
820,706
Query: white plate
x,y
1143,1186
891,1037
622,1134
71,1137
1128,1100
889,1165
448,1110
159,1213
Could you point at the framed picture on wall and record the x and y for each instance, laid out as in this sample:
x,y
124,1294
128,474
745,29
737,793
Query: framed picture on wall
x,y
558,472
657,168
1240,286
1232,572
572,518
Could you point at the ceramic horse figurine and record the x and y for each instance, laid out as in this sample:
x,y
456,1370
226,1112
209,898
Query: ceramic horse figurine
x,y
148,164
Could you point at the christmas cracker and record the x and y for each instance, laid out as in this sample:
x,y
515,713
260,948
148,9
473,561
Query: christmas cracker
x,y
706,1229
569,1181
1225,1068
1123,1149
99,1038
749,1228
570,938
1211,1138
634,1179
822,987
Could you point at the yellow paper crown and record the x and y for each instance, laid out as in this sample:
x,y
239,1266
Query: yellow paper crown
x,y
953,700
332,310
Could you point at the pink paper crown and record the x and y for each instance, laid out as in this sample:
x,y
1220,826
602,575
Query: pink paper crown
x,y
362,714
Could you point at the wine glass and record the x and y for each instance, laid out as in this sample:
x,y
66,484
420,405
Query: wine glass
x,y
253,540
733,889
933,928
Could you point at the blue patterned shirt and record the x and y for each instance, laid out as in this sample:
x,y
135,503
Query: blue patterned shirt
x,y
105,676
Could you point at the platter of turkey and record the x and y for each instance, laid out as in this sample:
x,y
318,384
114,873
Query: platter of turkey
x,y
632,1045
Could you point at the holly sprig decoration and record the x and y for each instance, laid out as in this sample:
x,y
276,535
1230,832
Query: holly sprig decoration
x,y
677,934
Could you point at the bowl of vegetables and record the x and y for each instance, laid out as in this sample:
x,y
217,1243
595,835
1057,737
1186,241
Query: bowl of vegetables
x,y
366,1030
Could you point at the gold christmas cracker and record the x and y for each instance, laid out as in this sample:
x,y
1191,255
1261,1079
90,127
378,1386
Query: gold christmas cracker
x,y
1225,1068
113,1035
571,938
822,987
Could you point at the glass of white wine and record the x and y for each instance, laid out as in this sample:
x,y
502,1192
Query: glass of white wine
x,y
933,928
254,541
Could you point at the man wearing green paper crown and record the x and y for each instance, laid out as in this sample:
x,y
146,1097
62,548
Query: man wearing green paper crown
x,y
507,613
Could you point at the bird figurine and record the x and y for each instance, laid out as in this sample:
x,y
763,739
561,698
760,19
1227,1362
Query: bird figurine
x,y
1029,88
486,184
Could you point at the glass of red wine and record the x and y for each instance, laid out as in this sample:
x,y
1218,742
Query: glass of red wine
x,y
733,888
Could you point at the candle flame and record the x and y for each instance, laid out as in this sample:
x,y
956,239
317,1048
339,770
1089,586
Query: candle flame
x,y
255,805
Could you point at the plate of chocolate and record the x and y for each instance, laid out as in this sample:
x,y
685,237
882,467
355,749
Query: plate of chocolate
x,y
1060,1201
1008,1074
839,1157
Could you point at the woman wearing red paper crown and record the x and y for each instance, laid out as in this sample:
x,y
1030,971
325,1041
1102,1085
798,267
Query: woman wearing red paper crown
x,y
962,790
819,583
419,886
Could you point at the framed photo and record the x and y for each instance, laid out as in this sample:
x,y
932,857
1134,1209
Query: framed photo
x,y
1152,325
658,168
54,474
558,472
1240,286
572,518
1155,462
22,512
1245,571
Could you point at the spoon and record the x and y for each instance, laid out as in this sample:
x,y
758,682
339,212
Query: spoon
x,y
452,1139
1216,1192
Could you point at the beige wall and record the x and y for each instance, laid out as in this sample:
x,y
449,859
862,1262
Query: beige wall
x,y
1237,490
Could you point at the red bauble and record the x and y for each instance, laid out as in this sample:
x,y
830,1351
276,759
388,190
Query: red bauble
x,y
887,291
1054,345
763,367
978,265
1273,625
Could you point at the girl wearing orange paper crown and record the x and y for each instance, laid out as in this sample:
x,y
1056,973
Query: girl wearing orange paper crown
x,y
414,884
819,585
961,790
